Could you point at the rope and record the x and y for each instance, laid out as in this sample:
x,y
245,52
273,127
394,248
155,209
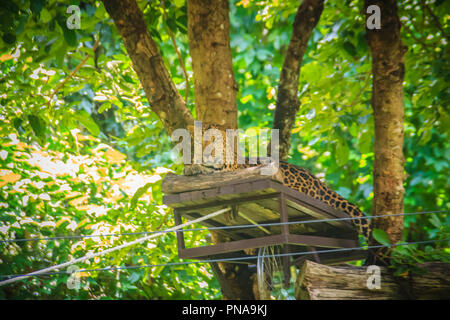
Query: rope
x,y
101,253
221,227
22,276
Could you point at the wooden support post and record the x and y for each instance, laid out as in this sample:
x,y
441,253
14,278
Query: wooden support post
x,y
285,232
180,233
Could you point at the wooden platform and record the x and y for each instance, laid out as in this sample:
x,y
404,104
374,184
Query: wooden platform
x,y
254,198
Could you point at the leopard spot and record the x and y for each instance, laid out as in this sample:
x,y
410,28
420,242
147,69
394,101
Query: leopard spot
x,y
304,176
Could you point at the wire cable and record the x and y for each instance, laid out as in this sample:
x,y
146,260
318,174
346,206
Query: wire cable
x,y
101,253
113,268
243,226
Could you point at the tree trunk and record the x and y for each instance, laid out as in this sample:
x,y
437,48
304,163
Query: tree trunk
x,y
320,282
209,45
161,92
215,103
307,17
388,109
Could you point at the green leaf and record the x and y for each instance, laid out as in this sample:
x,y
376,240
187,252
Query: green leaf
x,y
134,277
70,36
342,152
45,16
17,123
365,142
350,48
36,6
86,120
178,3
381,237
38,126
9,38
435,221
139,193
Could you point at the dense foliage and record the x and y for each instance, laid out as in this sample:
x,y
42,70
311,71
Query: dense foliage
x,y
81,152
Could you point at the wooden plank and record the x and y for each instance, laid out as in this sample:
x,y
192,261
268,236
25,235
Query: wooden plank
x,y
230,202
212,223
177,183
259,213
239,245
225,247
319,213
210,195
317,241
243,232
330,258
303,198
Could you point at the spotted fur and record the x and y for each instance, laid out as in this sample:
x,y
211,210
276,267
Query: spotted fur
x,y
299,179
302,180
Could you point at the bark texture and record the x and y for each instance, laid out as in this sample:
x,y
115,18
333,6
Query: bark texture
x,y
320,282
287,106
161,92
215,104
209,45
388,71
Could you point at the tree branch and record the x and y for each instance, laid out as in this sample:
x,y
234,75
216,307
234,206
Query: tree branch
x,y
77,68
180,58
436,20
287,106
161,92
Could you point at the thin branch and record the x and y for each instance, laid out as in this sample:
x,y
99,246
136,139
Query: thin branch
x,y
364,87
160,90
287,105
70,76
436,19
180,58
421,41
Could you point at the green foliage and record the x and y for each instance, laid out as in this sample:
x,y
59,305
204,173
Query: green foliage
x,y
381,236
73,101
53,191
405,259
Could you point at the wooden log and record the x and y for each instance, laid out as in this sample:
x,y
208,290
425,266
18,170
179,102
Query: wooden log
x,y
321,282
177,183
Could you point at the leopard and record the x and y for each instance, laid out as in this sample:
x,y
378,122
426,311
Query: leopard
x,y
302,180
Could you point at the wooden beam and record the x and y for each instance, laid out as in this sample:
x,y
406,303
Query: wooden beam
x,y
320,282
324,242
225,247
330,258
177,183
